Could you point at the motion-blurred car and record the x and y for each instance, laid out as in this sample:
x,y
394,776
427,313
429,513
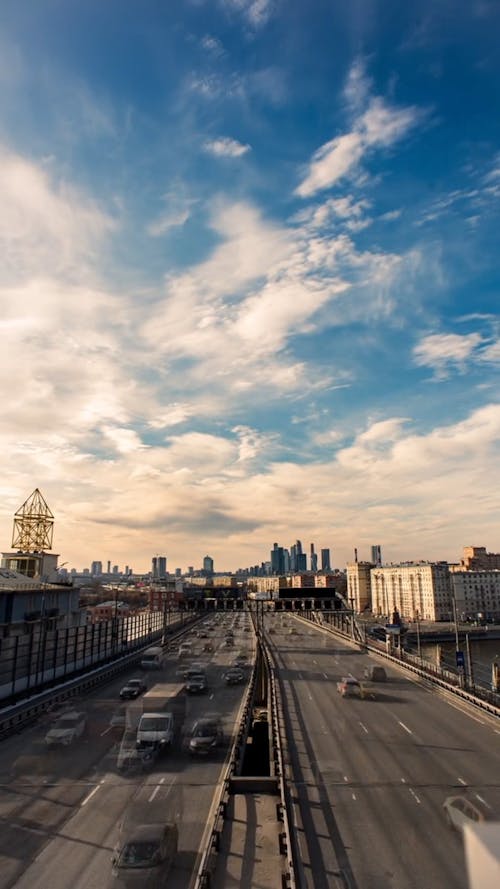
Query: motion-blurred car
x,y
375,673
207,735
350,687
144,856
196,682
462,810
132,689
118,719
234,676
67,729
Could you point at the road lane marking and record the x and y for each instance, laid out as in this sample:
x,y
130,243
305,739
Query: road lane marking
x,y
414,794
211,696
155,791
354,796
92,792
364,727
310,697
315,662
346,778
300,675
464,711
462,781
325,675
405,727
403,780
105,732
483,801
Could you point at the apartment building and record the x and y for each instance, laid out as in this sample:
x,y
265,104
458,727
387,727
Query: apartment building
x,y
420,589
359,591
476,593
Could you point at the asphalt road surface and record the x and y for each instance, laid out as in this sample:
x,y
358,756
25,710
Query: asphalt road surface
x,y
61,810
370,776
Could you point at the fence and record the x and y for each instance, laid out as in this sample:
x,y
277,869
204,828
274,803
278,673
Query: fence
x,y
43,656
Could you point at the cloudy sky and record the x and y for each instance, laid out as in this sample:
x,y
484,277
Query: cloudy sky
x,y
249,276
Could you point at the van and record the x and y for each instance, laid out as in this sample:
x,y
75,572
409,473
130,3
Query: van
x,y
153,658
375,673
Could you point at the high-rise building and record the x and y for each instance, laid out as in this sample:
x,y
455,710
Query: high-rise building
x,y
325,560
377,555
314,559
277,560
301,562
162,566
108,569
96,569
208,565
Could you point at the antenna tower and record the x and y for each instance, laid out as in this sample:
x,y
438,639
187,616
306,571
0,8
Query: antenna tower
x,y
33,525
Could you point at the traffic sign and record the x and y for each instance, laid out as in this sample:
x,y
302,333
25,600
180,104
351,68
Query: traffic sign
x,y
460,656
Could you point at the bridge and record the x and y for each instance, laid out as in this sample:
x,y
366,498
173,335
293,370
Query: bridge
x,y
309,789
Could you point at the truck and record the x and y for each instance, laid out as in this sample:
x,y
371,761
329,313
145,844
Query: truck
x,y
163,711
153,658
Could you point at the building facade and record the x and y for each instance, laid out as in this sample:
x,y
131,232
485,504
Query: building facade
x,y
475,558
421,590
359,588
477,594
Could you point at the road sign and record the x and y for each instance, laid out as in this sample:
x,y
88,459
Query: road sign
x,y
460,656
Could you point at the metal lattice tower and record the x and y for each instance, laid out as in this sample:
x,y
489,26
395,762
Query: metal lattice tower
x,y
33,525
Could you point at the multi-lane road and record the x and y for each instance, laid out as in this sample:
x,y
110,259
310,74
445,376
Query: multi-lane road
x,y
369,777
61,810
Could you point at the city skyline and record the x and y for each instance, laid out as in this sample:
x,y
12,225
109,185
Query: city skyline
x,y
250,281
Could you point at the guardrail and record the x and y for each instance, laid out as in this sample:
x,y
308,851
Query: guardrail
x,y
203,879
288,845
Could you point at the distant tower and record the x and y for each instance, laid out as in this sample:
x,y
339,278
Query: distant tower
x,y
314,559
377,555
33,525
325,560
208,565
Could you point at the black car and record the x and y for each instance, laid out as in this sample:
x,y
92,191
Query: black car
x,y
234,676
133,689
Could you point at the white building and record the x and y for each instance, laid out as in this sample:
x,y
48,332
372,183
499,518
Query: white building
x,y
415,590
476,592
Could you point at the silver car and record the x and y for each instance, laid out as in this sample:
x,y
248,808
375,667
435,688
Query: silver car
x,y
461,810
144,856
67,729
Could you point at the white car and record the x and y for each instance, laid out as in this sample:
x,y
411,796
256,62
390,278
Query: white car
x,y
67,729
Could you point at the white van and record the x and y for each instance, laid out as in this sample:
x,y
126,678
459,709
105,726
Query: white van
x,y
153,658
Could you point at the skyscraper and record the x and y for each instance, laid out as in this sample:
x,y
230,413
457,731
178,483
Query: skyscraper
x,y
208,565
314,559
377,555
96,569
277,560
325,560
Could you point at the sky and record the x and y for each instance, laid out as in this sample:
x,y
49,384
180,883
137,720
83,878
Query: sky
x,y
249,281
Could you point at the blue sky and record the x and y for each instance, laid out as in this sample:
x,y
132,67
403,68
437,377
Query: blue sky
x,y
250,281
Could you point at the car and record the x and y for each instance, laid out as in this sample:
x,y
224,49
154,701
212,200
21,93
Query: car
x,y
461,810
246,629
234,676
196,682
132,758
66,729
375,673
208,646
144,855
118,719
206,735
202,634
350,687
132,689
228,643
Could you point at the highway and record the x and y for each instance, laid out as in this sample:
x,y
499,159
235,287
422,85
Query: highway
x,y
61,810
369,776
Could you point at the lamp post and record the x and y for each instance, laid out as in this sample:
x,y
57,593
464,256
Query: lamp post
x,y
419,649
461,675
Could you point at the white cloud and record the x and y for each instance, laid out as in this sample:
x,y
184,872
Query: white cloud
x,y
44,223
441,351
378,126
226,147
169,219
257,12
